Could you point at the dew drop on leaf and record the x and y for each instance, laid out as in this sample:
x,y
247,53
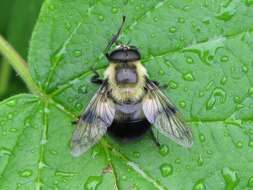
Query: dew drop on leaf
x,y
226,14
64,174
155,19
200,160
199,185
164,150
166,169
250,182
11,103
114,10
224,58
5,151
245,69
181,20
188,77
92,182
218,96
182,104
173,84
189,60
136,154
239,144
202,137
250,143
230,177
173,29
25,173
223,80
101,18
77,53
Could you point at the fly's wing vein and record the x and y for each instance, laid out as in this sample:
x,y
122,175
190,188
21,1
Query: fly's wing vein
x,y
94,122
164,116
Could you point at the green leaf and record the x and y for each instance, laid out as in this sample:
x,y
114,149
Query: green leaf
x,y
201,49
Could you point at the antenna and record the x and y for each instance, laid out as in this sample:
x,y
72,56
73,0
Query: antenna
x,y
114,37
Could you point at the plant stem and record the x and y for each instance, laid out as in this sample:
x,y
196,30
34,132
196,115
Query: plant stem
x,y
5,70
19,65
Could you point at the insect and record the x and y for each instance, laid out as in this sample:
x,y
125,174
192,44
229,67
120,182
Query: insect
x,y
127,103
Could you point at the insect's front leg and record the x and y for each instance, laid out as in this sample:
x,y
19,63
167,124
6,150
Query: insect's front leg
x,y
74,122
96,78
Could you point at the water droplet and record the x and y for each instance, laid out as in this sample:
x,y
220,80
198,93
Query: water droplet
x,y
218,96
200,160
79,106
77,53
124,177
173,84
223,80
245,69
114,10
83,89
64,174
9,116
101,18
173,29
206,20
224,58
93,182
181,20
250,91
189,60
53,152
231,178
155,19
201,93
13,130
226,14
25,173
188,76
202,137
51,7
153,35
166,169
186,7
250,143
239,144
136,154
182,104
237,99
250,182
161,72
199,185
11,103
178,161
164,150
5,151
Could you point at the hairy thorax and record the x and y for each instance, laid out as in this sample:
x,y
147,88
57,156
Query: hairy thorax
x,y
126,80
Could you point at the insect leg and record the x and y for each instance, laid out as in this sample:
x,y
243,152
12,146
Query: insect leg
x,y
74,122
96,78
155,138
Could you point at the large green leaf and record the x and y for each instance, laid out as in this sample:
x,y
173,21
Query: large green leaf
x,y
201,49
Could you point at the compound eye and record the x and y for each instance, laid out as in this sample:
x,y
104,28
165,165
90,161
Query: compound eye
x,y
124,55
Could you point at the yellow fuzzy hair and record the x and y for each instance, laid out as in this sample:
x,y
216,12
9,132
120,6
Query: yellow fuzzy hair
x,y
123,93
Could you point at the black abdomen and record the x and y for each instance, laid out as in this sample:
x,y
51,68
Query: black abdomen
x,y
129,130
129,121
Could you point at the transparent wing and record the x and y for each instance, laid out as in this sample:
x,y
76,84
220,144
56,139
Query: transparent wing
x,y
93,124
164,116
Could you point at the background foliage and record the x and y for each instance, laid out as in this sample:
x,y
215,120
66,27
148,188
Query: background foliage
x,y
201,50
